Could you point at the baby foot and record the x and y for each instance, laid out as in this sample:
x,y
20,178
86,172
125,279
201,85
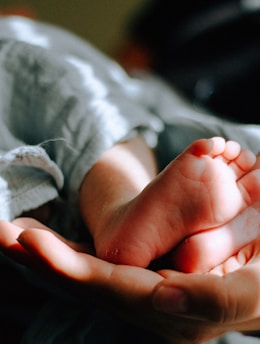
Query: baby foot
x,y
204,187
205,250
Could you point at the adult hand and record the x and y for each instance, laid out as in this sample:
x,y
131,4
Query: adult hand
x,y
148,299
227,298
125,290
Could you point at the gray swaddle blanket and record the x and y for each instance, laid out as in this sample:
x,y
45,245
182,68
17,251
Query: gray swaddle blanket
x,y
58,115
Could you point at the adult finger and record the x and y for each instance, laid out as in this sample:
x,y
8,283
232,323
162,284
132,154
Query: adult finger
x,y
8,243
28,222
58,257
82,268
9,232
227,300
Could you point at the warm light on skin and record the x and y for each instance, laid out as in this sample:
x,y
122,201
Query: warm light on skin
x,y
230,265
122,160
117,178
205,250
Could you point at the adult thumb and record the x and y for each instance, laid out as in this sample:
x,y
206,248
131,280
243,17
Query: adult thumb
x,y
230,299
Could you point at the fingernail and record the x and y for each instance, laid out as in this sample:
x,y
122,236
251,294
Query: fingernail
x,y
170,300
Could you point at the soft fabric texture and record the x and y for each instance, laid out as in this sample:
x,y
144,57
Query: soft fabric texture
x,y
61,109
